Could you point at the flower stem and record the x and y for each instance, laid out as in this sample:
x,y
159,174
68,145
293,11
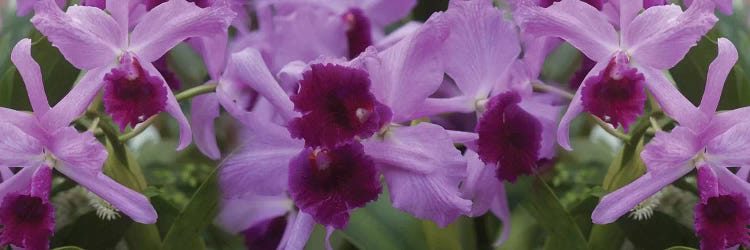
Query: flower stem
x,y
611,130
137,130
196,91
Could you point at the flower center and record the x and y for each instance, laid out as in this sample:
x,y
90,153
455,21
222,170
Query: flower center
x,y
336,105
131,95
616,94
509,137
358,33
328,184
721,209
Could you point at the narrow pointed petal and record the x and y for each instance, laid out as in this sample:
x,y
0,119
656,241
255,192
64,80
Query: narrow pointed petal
x,y
671,149
133,204
299,233
671,100
575,108
77,100
248,67
162,28
721,122
383,13
619,202
394,70
480,48
238,214
80,150
728,149
501,209
629,9
32,75
263,160
213,49
204,110
580,24
18,182
422,182
86,36
717,74
732,182
480,186
120,11
173,108
662,35
18,149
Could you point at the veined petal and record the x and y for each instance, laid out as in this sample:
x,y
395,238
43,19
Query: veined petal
x,y
728,149
619,202
133,204
204,110
383,13
480,48
671,100
173,108
662,35
77,100
79,150
18,182
629,9
240,213
296,237
213,49
481,186
732,182
86,36
575,108
32,75
502,211
17,148
410,71
248,67
263,160
423,171
120,11
723,121
163,27
668,150
580,24
717,74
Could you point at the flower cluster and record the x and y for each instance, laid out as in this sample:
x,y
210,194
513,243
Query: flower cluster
x,y
334,111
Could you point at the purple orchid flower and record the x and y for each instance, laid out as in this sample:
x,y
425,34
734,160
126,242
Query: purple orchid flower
x,y
724,6
42,141
723,213
424,183
24,7
626,61
703,140
94,41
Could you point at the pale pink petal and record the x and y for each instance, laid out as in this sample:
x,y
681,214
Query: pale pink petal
x,y
662,35
540,106
86,36
717,74
329,232
724,6
580,24
423,171
383,13
18,182
32,75
629,9
743,173
17,148
393,71
262,160
164,27
439,106
729,149
480,48
668,150
247,67
299,233
240,213
619,202
481,186
120,11
77,100
78,150
671,100
732,182
462,137
396,35
575,108
502,211
213,49
173,107
204,110
131,203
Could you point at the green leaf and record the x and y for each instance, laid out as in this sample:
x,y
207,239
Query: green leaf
x,y
91,232
122,166
143,236
195,217
442,238
68,248
561,229
625,168
650,234
380,226
605,237
7,82
681,248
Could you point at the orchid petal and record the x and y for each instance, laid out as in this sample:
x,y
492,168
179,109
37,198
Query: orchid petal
x,y
619,202
397,35
163,27
668,150
580,24
575,108
480,48
204,110
299,233
729,149
629,9
481,186
732,182
723,121
18,182
394,70
717,74
120,11
671,100
32,75
423,170
240,213
213,49
86,36
263,160
133,204
172,107
383,13
248,67
662,46
79,150
502,211
77,100
18,149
